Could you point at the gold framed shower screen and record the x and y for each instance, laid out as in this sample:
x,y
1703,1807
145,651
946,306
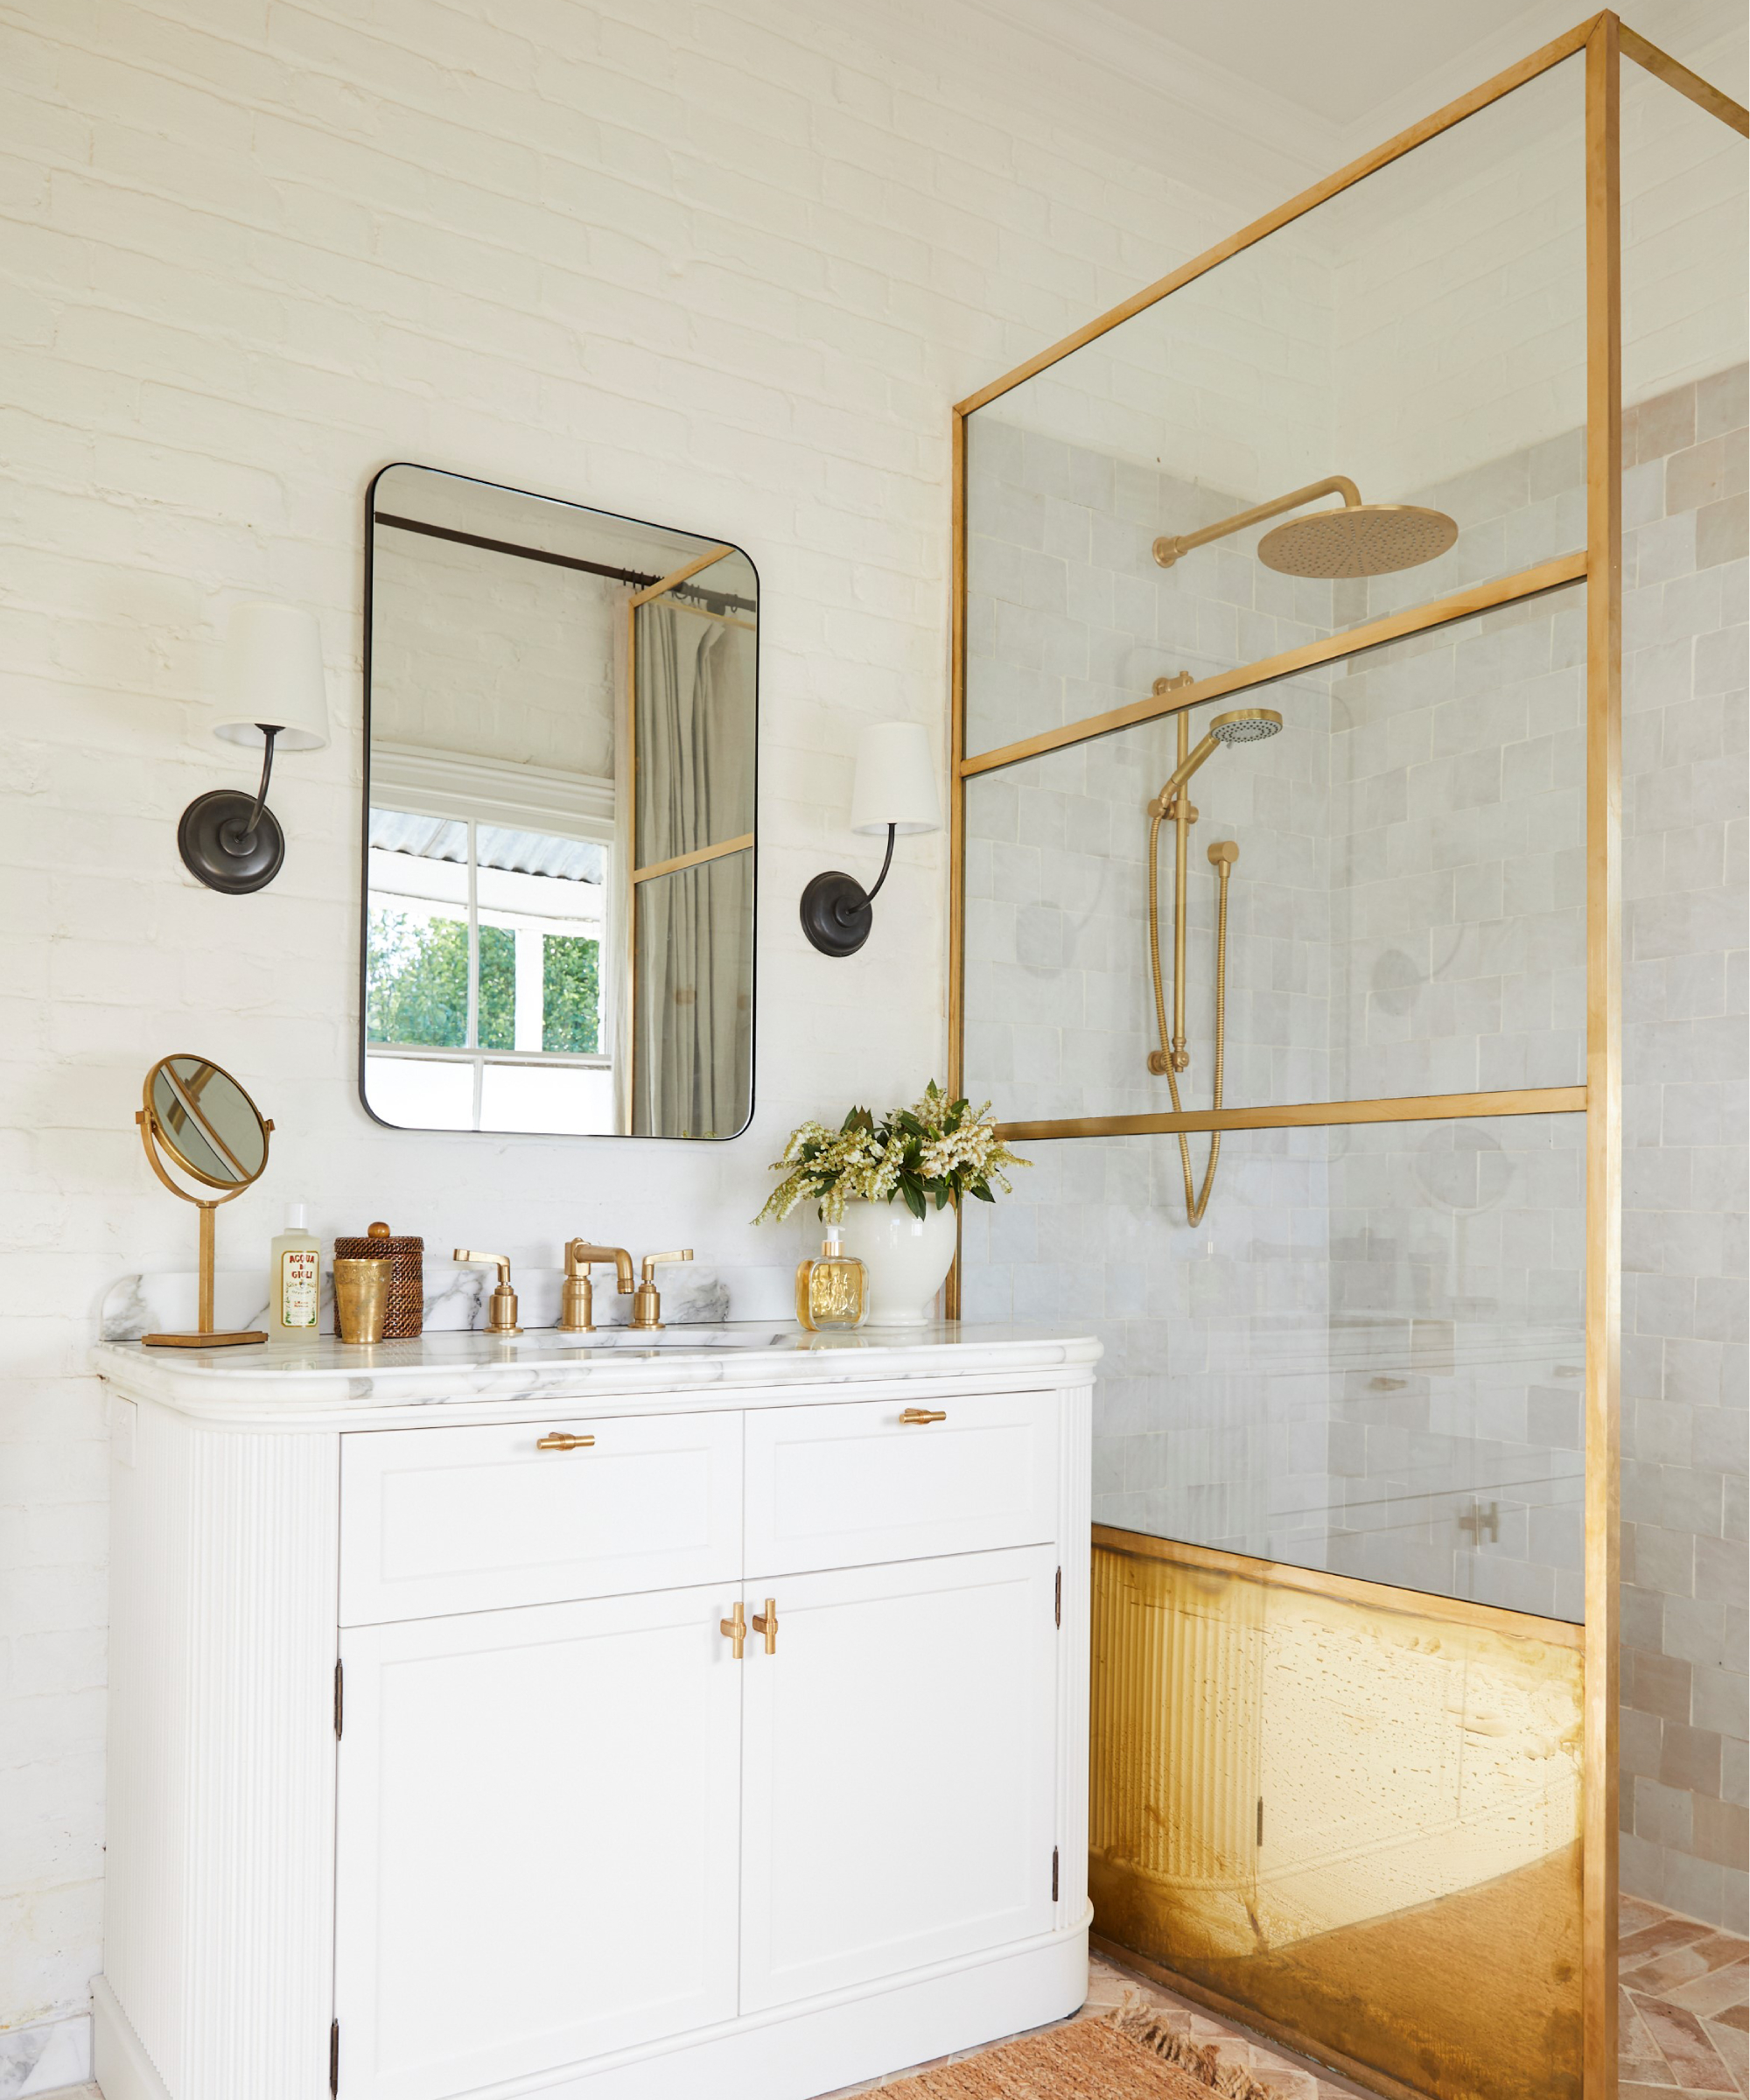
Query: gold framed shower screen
x,y
1604,41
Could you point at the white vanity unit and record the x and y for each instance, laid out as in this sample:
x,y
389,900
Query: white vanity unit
x,y
438,1763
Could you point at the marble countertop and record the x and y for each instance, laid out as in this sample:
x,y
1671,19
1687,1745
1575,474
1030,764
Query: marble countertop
x,y
333,1384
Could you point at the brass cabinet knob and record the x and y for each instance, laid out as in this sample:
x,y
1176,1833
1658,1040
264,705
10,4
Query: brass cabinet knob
x,y
560,1441
734,1630
913,1416
766,1622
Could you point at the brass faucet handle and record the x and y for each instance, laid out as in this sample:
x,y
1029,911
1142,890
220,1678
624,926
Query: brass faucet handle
x,y
501,1305
679,1254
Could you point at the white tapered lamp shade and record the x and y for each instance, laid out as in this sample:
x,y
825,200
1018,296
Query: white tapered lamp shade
x,y
273,674
895,792
274,696
895,780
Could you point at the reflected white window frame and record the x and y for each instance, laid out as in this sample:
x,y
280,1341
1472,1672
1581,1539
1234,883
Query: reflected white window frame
x,y
471,1053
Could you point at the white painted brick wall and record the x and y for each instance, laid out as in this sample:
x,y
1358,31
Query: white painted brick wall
x,y
722,265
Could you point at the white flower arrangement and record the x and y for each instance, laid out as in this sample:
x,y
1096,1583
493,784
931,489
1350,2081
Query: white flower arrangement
x,y
936,1148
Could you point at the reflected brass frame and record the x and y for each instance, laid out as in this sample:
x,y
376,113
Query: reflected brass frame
x,y
634,874
1605,42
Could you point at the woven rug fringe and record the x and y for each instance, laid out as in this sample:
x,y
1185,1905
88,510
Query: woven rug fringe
x,y
1145,2025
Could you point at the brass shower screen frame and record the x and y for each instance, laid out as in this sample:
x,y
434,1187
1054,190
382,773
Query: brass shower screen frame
x,y
1605,40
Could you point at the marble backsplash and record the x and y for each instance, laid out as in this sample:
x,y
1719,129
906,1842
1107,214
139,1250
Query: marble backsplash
x,y
694,1294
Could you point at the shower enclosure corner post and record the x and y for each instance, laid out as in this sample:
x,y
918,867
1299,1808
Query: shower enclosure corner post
x,y
957,821
1604,1034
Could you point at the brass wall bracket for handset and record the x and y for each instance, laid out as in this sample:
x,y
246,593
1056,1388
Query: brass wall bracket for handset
x,y
577,1300
646,1303
501,1305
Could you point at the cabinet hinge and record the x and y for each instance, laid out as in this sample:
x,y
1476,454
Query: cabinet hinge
x,y
1054,1873
334,2057
1057,1601
340,1696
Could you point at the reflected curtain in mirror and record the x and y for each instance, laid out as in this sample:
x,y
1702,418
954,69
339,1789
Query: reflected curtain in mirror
x,y
692,761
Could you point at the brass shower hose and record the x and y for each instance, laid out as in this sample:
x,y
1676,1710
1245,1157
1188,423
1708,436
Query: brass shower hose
x,y
1196,1201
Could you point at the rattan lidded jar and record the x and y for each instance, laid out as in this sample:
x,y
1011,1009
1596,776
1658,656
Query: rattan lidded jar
x,y
406,1316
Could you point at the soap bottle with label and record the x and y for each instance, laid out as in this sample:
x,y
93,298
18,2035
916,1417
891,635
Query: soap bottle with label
x,y
832,1291
294,1281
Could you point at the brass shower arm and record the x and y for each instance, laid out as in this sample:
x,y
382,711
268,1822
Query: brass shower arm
x,y
1168,549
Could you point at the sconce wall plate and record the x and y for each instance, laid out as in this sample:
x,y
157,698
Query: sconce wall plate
x,y
220,847
837,913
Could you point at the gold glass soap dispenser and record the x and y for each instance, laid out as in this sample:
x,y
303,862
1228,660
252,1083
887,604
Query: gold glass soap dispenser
x,y
832,1289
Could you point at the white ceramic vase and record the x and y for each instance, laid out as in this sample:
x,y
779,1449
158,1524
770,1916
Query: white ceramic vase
x,y
907,1258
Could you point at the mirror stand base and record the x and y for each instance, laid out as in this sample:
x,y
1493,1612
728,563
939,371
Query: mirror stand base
x,y
201,1341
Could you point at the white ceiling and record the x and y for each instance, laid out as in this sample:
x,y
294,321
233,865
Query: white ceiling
x,y
1340,61
1245,101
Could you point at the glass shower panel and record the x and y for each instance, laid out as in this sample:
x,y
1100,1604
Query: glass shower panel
x,y
1421,334
1404,862
1367,1359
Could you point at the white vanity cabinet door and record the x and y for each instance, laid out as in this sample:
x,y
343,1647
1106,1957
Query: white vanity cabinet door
x,y
839,1486
537,1839
900,1757
464,1520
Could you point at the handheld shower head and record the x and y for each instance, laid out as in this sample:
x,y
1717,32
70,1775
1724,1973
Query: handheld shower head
x,y
1244,726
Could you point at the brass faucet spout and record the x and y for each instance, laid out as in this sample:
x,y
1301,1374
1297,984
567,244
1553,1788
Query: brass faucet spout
x,y
579,1254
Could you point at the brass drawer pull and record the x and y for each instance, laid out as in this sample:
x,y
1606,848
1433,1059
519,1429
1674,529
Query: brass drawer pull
x,y
560,1441
922,1414
766,1622
735,1630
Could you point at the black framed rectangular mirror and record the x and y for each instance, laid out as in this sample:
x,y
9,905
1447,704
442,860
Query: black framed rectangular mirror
x,y
561,713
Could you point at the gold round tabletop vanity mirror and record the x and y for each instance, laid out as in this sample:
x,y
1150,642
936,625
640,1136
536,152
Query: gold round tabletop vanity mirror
x,y
199,1120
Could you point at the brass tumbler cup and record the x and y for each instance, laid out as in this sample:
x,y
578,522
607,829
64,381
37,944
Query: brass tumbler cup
x,y
362,1297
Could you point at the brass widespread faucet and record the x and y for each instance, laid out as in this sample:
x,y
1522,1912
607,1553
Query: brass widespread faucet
x,y
647,1305
577,1303
502,1307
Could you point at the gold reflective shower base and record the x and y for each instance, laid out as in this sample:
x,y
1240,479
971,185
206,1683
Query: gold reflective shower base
x,y
1344,1811
1244,726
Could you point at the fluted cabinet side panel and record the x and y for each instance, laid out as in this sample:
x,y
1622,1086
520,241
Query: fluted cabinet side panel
x,y
265,1557
218,1910
146,1846
1075,1531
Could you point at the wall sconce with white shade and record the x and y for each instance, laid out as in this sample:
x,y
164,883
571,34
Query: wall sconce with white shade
x,y
275,696
895,792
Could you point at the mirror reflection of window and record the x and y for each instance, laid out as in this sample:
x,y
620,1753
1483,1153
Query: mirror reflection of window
x,y
480,938
562,725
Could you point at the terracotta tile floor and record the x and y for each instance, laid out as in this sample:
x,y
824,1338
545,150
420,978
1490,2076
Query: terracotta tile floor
x,y
1685,2006
1686,1992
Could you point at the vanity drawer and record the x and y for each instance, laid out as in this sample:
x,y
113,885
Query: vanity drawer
x,y
435,1521
844,1487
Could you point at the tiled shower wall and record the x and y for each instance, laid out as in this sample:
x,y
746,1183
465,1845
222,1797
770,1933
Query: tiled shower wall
x,y
1367,1356
1684,1187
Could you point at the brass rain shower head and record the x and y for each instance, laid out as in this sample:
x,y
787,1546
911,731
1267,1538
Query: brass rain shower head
x,y
1361,539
